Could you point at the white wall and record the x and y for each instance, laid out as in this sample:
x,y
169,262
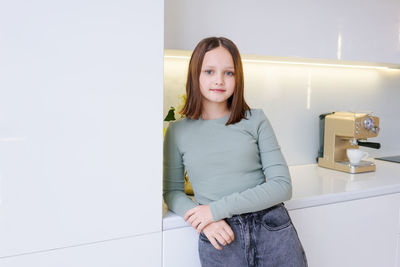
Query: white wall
x,y
294,96
80,123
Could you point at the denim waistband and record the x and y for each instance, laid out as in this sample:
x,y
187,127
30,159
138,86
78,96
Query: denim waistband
x,y
253,214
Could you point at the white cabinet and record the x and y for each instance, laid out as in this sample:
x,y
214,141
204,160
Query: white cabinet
x,y
81,96
361,232
180,248
144,250
398,251
332,29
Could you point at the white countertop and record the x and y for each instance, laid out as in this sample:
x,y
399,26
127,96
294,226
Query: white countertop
x,y
315,186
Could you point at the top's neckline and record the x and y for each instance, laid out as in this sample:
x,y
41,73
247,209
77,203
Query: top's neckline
x,y
219,120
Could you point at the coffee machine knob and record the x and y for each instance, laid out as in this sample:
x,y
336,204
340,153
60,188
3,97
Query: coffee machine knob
x,y
375,129
368,123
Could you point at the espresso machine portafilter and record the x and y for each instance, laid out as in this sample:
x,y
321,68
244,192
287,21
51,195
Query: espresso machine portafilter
x,y
342,130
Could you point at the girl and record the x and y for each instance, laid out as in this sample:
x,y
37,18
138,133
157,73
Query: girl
x,y
237,171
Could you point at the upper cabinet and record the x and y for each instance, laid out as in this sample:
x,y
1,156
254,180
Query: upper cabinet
x,y
352,30
80,122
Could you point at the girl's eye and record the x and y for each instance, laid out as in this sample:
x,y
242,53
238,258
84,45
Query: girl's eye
x,y
208,71
230,73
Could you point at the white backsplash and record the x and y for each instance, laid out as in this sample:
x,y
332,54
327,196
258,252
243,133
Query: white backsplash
x,y
293,97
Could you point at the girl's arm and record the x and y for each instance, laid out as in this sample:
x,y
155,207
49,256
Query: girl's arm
x,y
276,189
173,175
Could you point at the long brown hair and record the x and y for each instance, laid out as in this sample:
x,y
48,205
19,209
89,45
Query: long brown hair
x,y
236,103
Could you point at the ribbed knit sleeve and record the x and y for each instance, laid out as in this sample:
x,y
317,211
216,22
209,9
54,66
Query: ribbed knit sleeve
x,y
277,187
173,175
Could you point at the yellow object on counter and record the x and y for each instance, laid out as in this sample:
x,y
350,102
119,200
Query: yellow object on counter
x,y
188,186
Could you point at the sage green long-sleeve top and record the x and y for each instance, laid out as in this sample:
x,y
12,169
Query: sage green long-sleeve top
x,y
235,169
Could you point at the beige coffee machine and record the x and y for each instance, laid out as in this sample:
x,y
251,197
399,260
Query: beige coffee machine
x,y
342,130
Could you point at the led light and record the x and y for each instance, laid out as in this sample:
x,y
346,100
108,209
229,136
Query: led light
x,y
178,57
305,63
316,64
339,46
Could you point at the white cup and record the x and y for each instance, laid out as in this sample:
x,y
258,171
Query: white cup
x,y
356,155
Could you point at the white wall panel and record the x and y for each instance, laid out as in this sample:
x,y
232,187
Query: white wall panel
x,y
81,94
144,250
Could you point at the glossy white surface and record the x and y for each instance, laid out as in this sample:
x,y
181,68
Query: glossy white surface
x,y
360,232
143,250
315,186
80,122
338,29
398,251
180,248
294,96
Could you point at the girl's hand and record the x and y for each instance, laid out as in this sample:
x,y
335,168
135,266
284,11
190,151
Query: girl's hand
x,y
220,231
199,217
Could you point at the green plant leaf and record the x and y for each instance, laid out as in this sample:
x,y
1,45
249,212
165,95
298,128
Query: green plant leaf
x,y
171,115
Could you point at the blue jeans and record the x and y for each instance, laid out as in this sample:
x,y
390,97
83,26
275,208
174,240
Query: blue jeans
x,y
263,238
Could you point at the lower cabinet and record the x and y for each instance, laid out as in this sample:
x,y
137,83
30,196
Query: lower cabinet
x,y
361,232
180,248
398,250
143,250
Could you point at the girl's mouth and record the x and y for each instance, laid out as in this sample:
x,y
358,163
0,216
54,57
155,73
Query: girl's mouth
x,y
218,90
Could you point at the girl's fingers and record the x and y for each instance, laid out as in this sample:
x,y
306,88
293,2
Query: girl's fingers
x,y
226,237
214,243
219,233
188,214
191,219
195,220
200,227
195,223
229,231
220,239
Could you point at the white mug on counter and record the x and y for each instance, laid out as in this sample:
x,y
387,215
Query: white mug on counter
x,y
356,155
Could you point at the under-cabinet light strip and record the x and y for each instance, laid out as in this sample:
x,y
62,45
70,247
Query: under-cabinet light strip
x,y
301,63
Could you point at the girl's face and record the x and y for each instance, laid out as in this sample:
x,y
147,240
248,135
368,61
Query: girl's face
x,y
217,77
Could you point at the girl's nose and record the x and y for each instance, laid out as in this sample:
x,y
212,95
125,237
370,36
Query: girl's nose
x,y
219,79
